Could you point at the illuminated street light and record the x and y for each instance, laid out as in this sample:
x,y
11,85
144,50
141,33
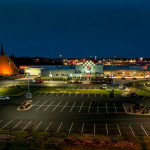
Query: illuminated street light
x,y
28,71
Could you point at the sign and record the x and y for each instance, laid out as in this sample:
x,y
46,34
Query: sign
x,y
28,95
88,65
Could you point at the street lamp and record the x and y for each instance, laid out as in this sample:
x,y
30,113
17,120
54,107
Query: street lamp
x,y
28,71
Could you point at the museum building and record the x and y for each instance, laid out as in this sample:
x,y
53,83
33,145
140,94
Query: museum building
x,y
88,71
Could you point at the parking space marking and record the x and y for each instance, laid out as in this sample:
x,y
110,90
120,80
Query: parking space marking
x,y
63,94
40,106
119,129
1,121
69,94
88,95
39,94
115,108
81,107
45,94
17,124
76,94
106,108
71,127
56,106
89,107
48,126
82,128
131,130
144,130
81,95
37,126
124,108
97,109
72,106
26,125
49,105
57,94
64,106
94,128
101,95
6,124
36,102
95,95
106,129
51,94
59,127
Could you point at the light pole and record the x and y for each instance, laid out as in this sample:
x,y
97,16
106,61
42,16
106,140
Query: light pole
x,y
9,67
28,71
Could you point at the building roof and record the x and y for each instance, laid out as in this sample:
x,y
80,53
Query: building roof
x,y
7,67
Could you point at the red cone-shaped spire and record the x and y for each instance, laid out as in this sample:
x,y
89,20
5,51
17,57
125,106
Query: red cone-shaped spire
x,y
2,52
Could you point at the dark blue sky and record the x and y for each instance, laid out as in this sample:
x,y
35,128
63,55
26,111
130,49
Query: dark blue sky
x,y
75,28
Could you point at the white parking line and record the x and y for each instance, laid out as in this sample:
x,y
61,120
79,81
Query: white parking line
x,y
48,126
6,124
49,105
26,125
131,130
124,108
17,124
40,106
64,106
1,121
59,127
144,130
101,95
88,95
57,94
51,94
106,108
36,102
119,129
82,128
70,127
81,95
106,129
76,94
89,107
56,106
115,108
72,106
97,109
81,107
63,94
69,94
39,94
95,95
94,128
45,94
37,126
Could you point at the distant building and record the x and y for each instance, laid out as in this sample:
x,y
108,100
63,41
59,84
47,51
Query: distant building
x,y
7,67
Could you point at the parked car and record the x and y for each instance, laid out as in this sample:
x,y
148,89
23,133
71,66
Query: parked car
x,y
104,86
4,98
39,81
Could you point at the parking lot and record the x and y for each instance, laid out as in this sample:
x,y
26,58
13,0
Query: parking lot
x,y
74,113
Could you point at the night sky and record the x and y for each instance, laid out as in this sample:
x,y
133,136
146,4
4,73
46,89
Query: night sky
x,y
75,28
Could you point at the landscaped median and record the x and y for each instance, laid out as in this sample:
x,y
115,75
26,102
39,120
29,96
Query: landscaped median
x,y
11,91
143,93
78,91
